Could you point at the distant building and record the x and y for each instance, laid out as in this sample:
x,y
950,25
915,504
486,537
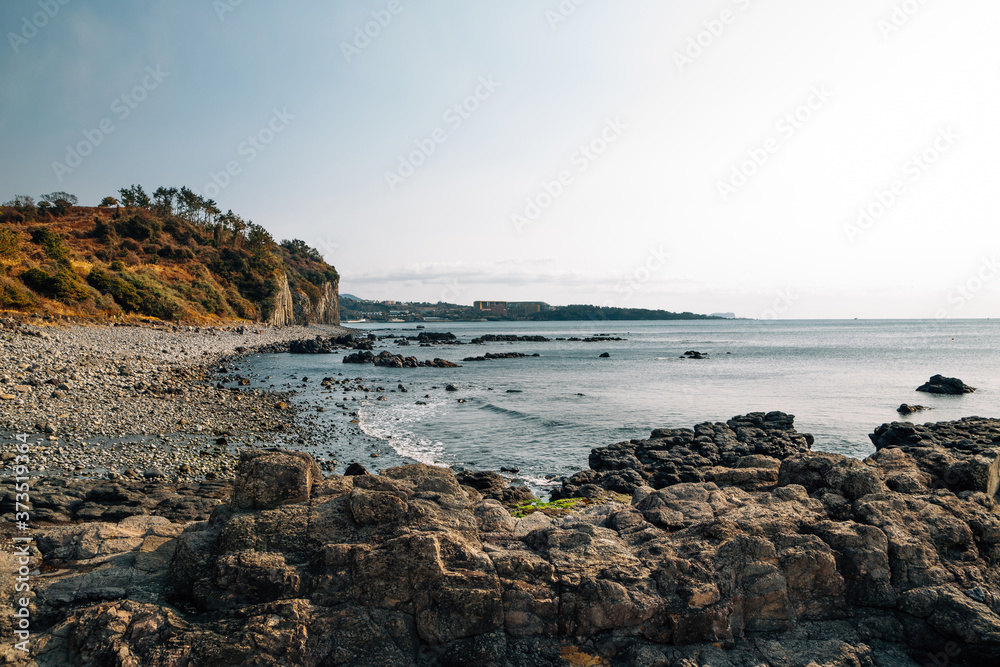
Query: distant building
x,y
495,307
525,308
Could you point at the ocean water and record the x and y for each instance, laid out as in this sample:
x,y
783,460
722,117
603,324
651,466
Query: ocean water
x,y
841,379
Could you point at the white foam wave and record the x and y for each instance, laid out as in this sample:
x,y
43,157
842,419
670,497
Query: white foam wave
x,y
387,422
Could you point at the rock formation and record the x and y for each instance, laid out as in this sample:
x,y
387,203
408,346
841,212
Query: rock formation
x,y
390,360
939,384
729,544
296,307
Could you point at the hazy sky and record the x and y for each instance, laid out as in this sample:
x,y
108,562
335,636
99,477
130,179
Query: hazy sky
x,y
781,158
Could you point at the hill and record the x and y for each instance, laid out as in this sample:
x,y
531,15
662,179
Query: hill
x,y
174,256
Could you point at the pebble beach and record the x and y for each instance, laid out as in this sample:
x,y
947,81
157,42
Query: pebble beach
x,y
142,400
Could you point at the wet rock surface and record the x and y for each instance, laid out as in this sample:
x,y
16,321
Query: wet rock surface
x,y
823,560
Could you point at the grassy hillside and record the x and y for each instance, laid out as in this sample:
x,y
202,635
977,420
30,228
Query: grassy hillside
x,y
173,256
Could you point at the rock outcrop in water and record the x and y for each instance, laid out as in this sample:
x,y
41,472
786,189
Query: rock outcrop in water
x,y
939,384
390,360
738,546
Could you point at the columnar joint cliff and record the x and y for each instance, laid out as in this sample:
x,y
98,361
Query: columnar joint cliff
x,y
296,307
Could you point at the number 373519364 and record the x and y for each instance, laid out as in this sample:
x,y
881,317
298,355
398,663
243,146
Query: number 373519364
x,y
22,459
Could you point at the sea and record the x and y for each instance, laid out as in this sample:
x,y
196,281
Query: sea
x,y
542,415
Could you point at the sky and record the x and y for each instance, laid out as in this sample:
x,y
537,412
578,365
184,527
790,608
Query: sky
x,y
774,158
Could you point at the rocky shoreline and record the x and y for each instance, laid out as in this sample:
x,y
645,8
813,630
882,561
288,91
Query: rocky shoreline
x,y
728,544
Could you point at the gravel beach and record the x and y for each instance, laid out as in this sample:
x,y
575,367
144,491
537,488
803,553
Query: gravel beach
x,y
141,400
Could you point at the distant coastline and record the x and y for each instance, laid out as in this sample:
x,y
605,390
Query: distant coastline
x,y
357,310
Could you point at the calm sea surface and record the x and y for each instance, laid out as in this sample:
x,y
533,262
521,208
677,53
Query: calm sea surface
x,y
840,379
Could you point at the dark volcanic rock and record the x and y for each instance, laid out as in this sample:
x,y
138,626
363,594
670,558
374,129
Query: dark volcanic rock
x,y
509,338
320,345
938,384
905,409
768,555
963,455
746,451
362,357
494,486
390,360
489,356
436,338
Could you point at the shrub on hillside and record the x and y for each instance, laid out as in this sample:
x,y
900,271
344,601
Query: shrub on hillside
x,y
24,206
52,245
102,230
156,299
9,244
244,309
11,216
140,226
122,291
14,296
63,285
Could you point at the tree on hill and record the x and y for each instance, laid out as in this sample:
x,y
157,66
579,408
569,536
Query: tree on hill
x,y
191,201
108,202
23,203
163,199
134,197
300,247
54,197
